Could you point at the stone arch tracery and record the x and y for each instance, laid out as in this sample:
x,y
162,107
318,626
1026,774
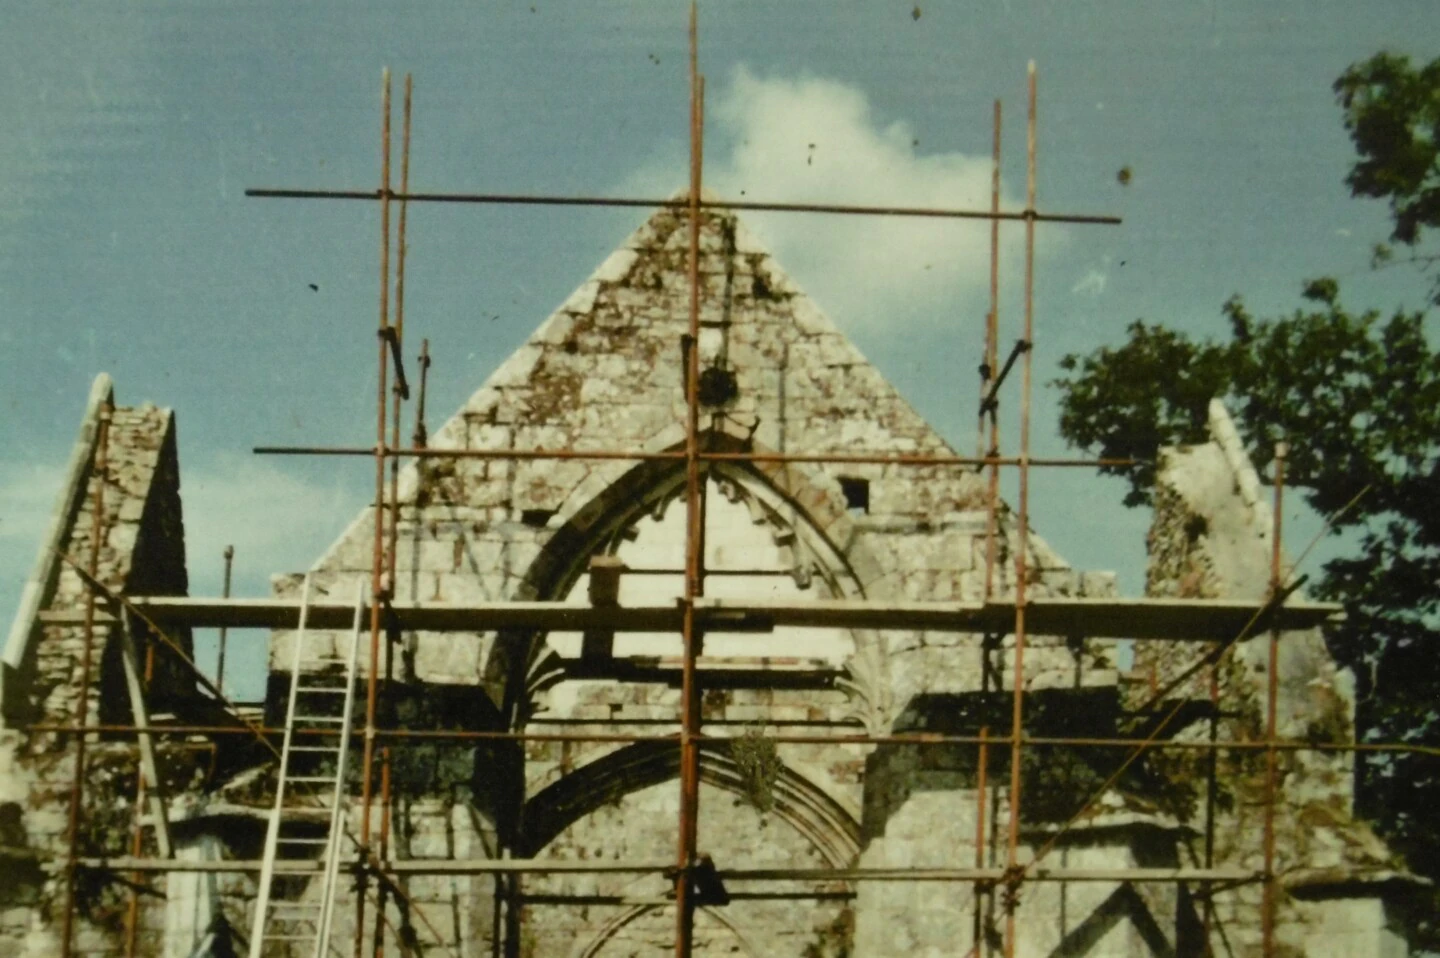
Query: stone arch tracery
x,y
619,787
607,932
801,504
803,510
829,826
796,499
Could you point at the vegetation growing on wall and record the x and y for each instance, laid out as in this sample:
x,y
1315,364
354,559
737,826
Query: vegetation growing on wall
x,y
759,765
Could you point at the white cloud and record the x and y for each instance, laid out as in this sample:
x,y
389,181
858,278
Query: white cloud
x,y
1091,284
817,140
276,520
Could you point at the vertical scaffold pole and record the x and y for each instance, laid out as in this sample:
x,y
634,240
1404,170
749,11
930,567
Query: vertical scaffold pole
x,y
399,337
377,558
229,556
1022,536
990,364
981,791
98,470
1268,902
694,560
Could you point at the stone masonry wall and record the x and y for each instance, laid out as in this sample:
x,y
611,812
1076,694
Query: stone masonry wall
x,y
142,551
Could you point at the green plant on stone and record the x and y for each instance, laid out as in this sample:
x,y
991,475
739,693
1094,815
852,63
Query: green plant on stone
x,y
759,766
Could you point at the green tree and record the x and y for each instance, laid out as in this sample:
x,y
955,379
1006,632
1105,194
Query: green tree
x,y
1358,397
1392,111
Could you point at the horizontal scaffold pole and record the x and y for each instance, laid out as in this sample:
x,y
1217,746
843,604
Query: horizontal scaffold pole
x,y
532,199
1196,620
451,866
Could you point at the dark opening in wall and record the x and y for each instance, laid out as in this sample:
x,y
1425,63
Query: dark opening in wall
x,y
718,387
537,518
857,494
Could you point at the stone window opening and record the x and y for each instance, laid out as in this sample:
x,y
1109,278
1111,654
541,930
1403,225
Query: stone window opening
x,y
857,495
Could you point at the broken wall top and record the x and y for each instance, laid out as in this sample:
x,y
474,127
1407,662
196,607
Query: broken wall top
x,y
1214,492
1213,537
141,550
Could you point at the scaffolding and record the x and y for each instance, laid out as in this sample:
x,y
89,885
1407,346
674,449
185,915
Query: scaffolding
x,y
1214,624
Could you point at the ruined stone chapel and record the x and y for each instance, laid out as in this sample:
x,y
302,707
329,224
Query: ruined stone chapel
x,y
503,772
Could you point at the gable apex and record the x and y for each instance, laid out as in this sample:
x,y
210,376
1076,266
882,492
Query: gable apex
x,y
756,320
604,373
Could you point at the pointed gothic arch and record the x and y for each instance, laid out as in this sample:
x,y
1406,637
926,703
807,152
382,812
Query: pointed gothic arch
x,y
594,947
801,503
802,498
826,824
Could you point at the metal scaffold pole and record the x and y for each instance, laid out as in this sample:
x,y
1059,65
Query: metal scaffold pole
x,y
99,474
1022,542
694,537
378,584
1272,692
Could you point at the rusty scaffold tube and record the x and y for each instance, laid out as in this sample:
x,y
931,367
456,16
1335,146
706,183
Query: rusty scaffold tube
x,y
229,556
383,856
1022,538
989,411
1270,889
788,738
694,549
377,558
400,391
980,889
99,472
678,455
512,199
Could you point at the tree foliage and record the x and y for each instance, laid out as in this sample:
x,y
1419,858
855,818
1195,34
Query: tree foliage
x,y
1357,396
1392,112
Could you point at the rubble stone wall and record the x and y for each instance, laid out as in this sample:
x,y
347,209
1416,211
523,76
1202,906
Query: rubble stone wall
x,y
141,550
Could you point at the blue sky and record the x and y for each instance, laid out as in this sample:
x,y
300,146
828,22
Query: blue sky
x,y
131,131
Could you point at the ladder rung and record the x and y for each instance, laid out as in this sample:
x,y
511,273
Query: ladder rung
x,y
313,748
303,841
295,904
319,690
320,718
331,779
